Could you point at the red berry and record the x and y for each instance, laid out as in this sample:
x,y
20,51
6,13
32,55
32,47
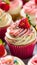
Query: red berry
x,y
36,1
24,23
2,50
4,6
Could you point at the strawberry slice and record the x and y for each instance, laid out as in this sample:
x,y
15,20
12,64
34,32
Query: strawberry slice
x,y
24,23
4,6
2,50
36,1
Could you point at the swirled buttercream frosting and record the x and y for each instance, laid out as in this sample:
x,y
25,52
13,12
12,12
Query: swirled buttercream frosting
x,y
5,18
20,36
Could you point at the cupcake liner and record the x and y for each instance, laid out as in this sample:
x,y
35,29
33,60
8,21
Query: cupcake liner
x,y
2,32
23,51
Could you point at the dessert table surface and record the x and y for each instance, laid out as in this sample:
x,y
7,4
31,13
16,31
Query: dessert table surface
x,y
25,60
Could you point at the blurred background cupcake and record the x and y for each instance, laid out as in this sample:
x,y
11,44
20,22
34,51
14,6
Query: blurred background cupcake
x,y
5,21
30,8
13,7
33,60
11,60
21,38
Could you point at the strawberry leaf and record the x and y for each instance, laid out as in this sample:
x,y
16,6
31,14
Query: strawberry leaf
x,y
1,42
28,18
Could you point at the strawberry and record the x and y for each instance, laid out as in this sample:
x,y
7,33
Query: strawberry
x,y
36,1
2,50
4,6
24,23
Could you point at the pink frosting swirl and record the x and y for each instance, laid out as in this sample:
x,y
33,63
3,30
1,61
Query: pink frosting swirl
x,y
15,3
33,60
30,7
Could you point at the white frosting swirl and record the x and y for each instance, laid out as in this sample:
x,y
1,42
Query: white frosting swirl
x,y
11,60
15,7
5,18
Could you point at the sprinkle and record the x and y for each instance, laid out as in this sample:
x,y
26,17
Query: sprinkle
x,y
15,61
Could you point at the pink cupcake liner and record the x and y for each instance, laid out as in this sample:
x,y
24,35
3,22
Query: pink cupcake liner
x,y
24,51
3,31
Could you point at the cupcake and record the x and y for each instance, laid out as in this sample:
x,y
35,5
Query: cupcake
x,y
11,60
3,51
33,60
21,38
13,7
30,8
5,21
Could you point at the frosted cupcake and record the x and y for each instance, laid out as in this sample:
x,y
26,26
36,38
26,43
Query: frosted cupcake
x,y
33,60
21,38
5,21
13,7
11,60
30,8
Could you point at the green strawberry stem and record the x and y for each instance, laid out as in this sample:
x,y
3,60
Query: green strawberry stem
x,y
29,19
1,42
